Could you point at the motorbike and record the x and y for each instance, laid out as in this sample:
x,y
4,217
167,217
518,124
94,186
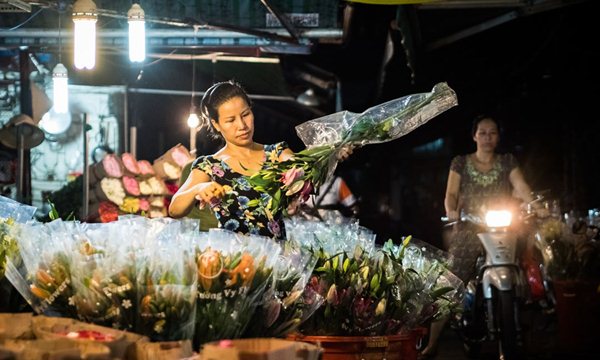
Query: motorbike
x,y
494,297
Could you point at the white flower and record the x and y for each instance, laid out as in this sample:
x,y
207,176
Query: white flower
x,y
71,301
126,303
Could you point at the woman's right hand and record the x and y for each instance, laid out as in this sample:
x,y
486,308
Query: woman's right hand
x,y
209,192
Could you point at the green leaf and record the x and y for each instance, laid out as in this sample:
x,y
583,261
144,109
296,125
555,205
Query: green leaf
x,y
374,282
437,293
53,213
346,265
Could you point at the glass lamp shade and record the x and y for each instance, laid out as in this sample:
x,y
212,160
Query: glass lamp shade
x,y
85,17
137,33
60,79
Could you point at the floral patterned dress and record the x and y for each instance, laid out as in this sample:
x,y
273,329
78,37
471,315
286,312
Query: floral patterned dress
x,y
478,190
243,209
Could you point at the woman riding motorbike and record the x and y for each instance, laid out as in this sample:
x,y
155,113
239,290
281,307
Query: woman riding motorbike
x,y
476,182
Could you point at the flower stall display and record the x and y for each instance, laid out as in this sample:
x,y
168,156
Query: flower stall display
x,y
133,186
375,292
163,279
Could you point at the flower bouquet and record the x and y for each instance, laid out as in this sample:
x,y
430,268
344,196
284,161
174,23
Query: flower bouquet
x,y
44,277
427,291
233,272
11,212
326,136
286,303
166,284
103,275
380,291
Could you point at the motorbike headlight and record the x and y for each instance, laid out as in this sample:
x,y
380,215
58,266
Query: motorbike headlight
x,y
498,218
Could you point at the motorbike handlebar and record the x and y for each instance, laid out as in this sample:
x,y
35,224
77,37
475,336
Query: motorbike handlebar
x,y
463,218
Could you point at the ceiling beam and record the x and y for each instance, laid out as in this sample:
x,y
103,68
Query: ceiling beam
x,y
535,7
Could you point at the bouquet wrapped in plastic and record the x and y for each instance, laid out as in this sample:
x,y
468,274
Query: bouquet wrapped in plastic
x,y
44,277
433,291
167,283
383,292
286,303
103,274
326,136
11,212
233,273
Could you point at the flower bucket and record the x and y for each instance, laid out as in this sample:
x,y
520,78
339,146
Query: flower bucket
x,y
392,347
578,314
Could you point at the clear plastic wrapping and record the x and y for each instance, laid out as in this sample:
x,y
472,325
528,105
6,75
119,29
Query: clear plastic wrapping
x,y
286,304
381,123
233,274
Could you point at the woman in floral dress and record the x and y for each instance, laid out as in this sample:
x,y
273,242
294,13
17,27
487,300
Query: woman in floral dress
x,y
218,180
477,182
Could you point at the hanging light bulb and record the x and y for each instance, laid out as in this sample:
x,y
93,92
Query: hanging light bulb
x,y
193,120
60,79
137,33
85,17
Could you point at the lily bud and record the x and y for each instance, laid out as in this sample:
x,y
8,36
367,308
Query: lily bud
x,y
380,310
332,296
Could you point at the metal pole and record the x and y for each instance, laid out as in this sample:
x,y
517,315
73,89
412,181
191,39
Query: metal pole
x,y
86,171
20,165
133,141
24,159
193,141
125,139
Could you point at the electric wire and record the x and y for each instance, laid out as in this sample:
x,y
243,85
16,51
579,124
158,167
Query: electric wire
x,y
24,22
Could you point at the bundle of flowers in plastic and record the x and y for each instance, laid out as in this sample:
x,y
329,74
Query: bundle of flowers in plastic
x,y
331,237
370,294
104,275
44,277
233,273
286,304
11,212
434,290
326,136
166,283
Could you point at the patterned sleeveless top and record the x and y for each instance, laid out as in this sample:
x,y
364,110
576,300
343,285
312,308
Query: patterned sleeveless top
x,y
480,190
243,209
